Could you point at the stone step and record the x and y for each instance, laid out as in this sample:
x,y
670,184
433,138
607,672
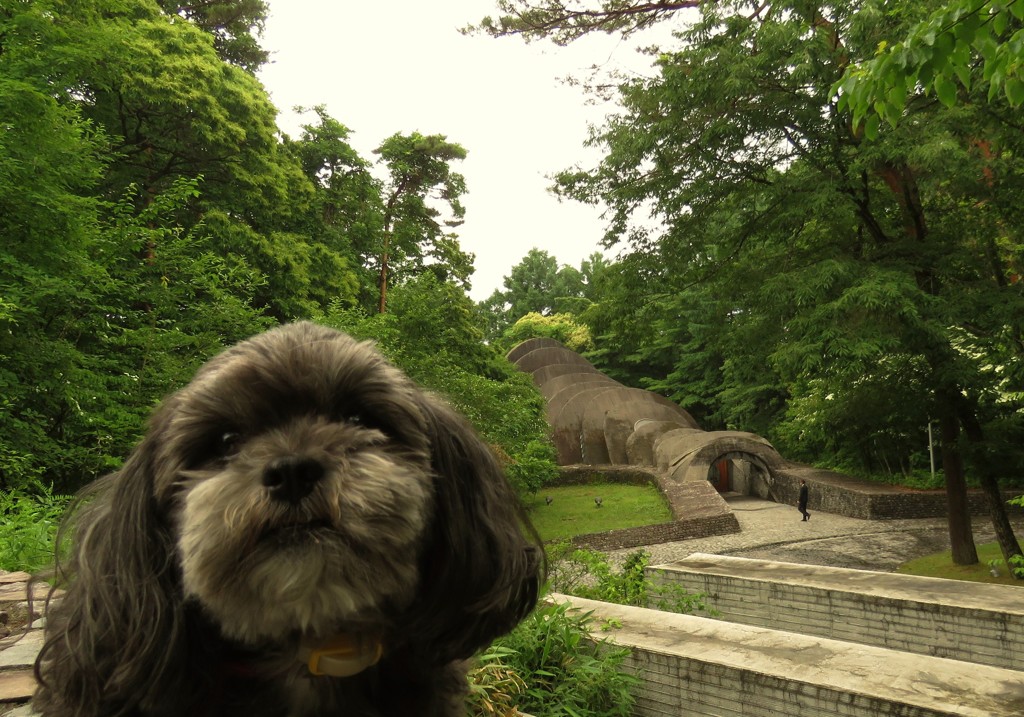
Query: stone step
x,y
703,667
16,685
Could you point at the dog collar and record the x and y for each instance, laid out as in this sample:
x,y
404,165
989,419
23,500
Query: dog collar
x,y
341,656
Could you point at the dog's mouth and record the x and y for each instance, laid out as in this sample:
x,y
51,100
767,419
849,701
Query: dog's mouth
x,y
291,534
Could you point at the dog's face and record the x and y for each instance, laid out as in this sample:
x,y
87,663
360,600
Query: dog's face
x,y
296,471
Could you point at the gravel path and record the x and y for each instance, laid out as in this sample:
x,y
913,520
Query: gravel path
x,y
772,531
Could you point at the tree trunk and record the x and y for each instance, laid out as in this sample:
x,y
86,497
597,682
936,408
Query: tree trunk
x,y
382,306
987,472
961,537
1008,542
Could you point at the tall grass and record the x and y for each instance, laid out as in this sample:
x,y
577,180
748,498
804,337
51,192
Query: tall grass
x,y
551,666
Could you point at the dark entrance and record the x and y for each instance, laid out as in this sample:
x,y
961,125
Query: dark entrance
x,y
720,475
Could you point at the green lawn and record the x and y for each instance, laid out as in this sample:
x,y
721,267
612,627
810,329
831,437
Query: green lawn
x,y
940,565
573,512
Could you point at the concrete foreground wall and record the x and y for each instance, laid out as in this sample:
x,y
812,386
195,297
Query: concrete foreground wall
x,y
696,666
965,621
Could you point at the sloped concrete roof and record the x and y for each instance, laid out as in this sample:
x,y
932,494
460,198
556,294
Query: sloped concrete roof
x,y
593,426
548,355
621,423
529,345
553,385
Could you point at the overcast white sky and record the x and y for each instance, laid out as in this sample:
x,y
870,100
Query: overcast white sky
x,y
402,66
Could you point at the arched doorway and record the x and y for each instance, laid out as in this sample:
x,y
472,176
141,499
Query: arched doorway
x,y
743,473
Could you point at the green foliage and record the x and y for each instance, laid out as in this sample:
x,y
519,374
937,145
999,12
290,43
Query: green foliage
x,y
817,287
234,25
494,687
566,672
870,423
960,47
152,214
28,527
562,327
347,215
563,22
589,574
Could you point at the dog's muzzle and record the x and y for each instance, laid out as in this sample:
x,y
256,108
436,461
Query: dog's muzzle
x,y
292,478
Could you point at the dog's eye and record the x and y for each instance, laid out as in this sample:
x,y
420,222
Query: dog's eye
x,y
364,420
230,443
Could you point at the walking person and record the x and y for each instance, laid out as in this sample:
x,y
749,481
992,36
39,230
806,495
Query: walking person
x,y
802,502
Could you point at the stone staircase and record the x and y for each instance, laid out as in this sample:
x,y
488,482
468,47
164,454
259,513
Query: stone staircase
x,y
812,641
21,643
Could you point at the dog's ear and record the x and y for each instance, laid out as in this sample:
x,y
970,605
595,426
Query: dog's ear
x,y
482,568
113,638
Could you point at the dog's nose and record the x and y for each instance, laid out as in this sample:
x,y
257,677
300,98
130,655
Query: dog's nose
x,y
292,478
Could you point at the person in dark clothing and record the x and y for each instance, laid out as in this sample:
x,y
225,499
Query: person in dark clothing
x,y
802,503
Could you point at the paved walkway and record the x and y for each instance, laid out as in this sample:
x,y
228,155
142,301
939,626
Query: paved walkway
x,y
773,531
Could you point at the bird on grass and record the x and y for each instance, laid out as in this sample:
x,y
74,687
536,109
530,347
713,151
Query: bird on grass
x,y
598,501
548,500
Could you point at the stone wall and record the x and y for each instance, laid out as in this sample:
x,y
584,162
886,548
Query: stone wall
x,y
943,618
686,529
840,494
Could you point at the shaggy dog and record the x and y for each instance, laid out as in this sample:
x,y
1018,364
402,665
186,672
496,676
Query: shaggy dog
x,y
302,531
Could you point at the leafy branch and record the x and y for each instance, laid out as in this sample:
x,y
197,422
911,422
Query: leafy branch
x,y
940,56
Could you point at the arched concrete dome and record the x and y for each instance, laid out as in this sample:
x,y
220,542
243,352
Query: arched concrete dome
x,y
580,421
621,420
553,385
641,403
640,445
566,424
545,373
689,457
525,347
548,355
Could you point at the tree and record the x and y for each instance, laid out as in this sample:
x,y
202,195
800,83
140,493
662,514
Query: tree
x,y
235,26
537,284
112,288
348,207
419,169
50,159
846,254
172,109
563,22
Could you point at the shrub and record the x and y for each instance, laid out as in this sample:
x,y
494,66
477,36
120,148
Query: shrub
x,y
589,574
29,527
558,670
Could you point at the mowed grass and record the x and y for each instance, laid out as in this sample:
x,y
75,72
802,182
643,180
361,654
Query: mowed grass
x,y
573,512
940,565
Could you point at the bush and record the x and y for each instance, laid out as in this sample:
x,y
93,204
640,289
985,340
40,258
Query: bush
x,y
29,527
550,666
589,574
